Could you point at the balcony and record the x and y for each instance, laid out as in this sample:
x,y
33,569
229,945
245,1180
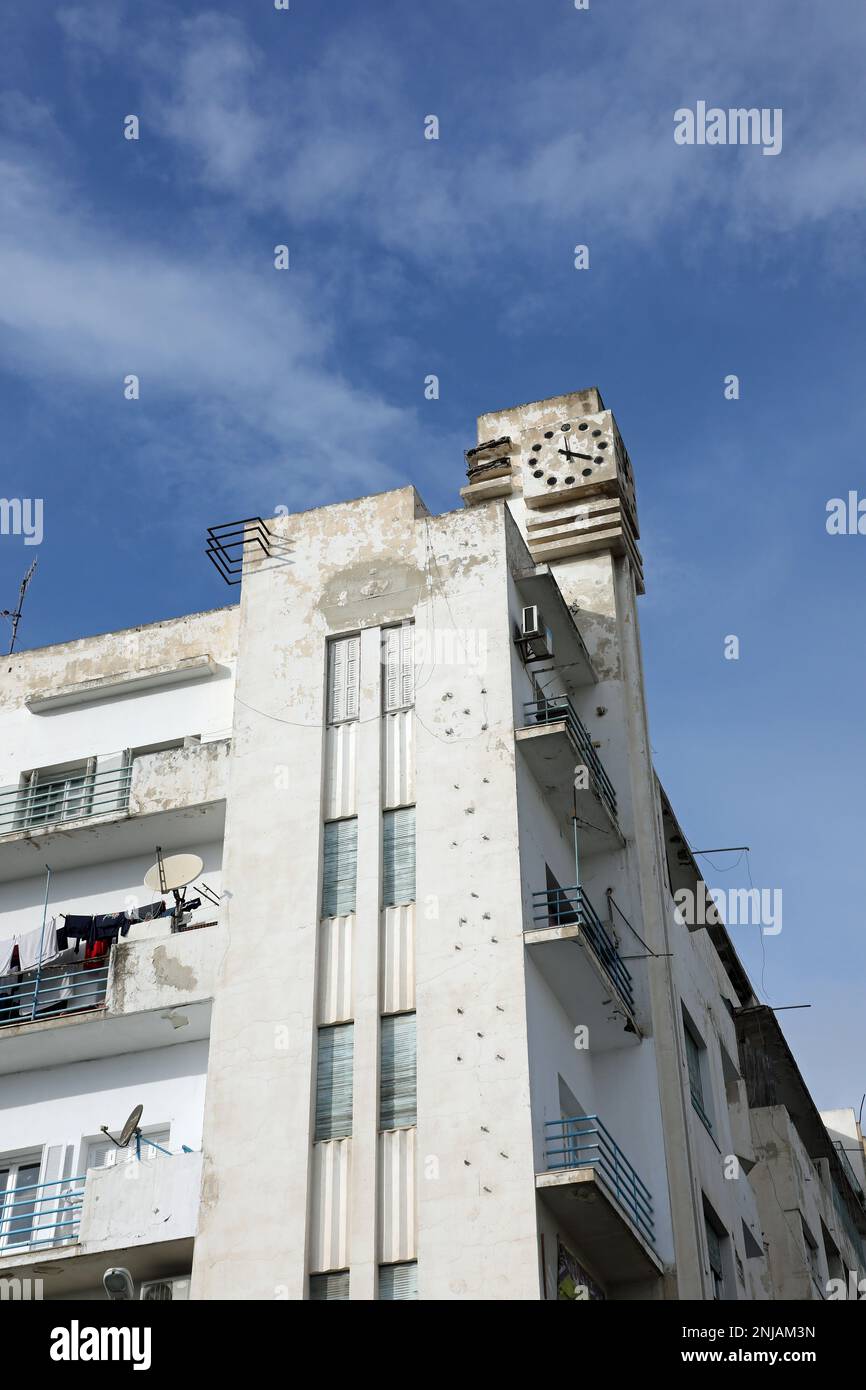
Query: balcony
x,y
595,1192
85,1222
40,1214
848,1170
555,744
72,798
151,992
94,815
53,990
578,958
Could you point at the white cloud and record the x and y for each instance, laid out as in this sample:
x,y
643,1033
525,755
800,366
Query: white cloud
x,y
243,352
586,142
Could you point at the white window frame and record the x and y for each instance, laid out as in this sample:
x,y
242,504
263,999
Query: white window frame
x,y
398,667
13,1165
156,1134
344,679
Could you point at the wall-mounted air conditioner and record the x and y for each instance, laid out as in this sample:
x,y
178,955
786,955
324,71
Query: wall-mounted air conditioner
x,y
532,624
164,1290
535,640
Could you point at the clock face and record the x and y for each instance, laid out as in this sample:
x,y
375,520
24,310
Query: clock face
x,y
568,458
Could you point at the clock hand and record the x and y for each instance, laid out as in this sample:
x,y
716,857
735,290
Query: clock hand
x,y
569,455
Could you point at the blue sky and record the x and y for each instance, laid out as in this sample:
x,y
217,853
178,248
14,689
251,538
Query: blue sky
x,y
455,257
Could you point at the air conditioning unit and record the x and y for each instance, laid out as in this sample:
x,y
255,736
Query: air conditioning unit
x,y
535,639
163,1290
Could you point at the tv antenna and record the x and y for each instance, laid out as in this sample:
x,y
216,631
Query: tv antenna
x,y
132,1129
174,875
15,617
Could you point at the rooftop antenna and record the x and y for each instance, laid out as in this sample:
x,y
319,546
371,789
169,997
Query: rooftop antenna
x,y
132,1128
16,616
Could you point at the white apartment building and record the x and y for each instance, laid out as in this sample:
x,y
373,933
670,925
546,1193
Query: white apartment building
x,y
442,1035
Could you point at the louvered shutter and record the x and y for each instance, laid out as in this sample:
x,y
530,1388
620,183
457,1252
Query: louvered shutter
x,y
334,1082
398,1105
398,661
329,1288
398,1281
110,790
398,857
344,673
340,868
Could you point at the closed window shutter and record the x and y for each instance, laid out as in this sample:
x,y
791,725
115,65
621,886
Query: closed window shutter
x,y
398,857
693,1057
715,1250
330,1288
334,1082
340,869
344,673
399,666
398,1281
398,1104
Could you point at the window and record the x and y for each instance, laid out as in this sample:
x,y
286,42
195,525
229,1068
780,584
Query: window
x,y
340,870
102,1153
330,1288
398,667
56,795
398,1105
398,1281
398,857
19,1200
714,1248
334,1082
835,1267
812,1253
344,679
695,1059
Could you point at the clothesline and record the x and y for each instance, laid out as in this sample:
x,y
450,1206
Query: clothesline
x,y
62,936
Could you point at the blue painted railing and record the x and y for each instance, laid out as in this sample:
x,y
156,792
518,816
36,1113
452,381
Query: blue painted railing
x,y
70,798
42,1213
53,990
553,710
561,907
583,1142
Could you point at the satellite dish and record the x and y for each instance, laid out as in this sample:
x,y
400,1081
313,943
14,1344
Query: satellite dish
x,y
174,872
130,1127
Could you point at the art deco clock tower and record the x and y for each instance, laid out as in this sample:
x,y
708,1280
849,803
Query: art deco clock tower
x,y
564,473
563,466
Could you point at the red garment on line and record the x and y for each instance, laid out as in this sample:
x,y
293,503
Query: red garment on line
x,y
94,953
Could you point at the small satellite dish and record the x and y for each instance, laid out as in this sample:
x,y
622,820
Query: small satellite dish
x,y
174,872
130,1127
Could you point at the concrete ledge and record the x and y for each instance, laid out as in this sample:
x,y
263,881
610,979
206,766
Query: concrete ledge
x,y
109,687
598,1226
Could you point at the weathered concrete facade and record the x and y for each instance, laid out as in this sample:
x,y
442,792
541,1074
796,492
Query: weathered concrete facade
x,y
457,1042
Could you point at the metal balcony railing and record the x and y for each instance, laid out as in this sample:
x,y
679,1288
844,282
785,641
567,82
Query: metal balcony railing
x,y
42,1213
847,1221
53,990
561,907
583,1142
847,1166
553,709
74,797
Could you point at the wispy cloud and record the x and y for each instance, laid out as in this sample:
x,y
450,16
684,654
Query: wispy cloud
x,y
588,143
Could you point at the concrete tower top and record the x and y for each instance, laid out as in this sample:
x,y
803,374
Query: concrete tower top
x,y
564,467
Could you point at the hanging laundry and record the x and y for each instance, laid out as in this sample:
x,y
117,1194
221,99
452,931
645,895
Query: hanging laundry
x,y
107,926
6,949
38,946
96,954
